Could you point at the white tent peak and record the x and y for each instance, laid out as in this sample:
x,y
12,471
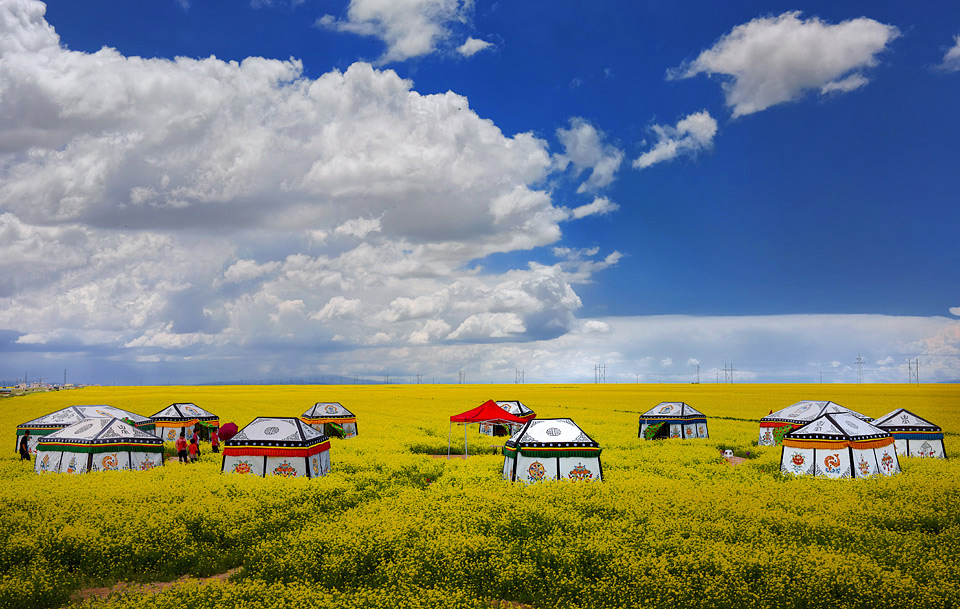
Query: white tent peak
x,y
673,410
276,430
903,419
840,425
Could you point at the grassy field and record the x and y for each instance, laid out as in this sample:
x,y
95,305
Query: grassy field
x,y
672,525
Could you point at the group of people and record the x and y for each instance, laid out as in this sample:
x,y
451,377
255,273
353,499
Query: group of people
x,y
188,453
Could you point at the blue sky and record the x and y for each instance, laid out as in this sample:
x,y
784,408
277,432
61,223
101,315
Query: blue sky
x,y
208,191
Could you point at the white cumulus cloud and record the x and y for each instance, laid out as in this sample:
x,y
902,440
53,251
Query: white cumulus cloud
x,y
772,60
585,148
472,46
691,134
409,28
951,59
170,210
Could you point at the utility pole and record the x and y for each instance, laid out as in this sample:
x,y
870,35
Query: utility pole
x,y
698,374
859,369
913,371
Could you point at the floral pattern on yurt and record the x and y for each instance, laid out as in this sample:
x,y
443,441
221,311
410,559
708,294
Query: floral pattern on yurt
x,y
777,424
277,446
673,420
546,449
98,445
331,419
839,445
183,417
913,436
55,421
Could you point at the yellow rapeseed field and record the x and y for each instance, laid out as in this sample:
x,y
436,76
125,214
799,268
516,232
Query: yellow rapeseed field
x,y
672,524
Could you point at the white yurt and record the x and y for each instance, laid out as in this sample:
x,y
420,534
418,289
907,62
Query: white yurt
x,y
98,444
55,421
514,407
547,449
331,419
776,424
183,417
277,446
913,436
839,446
673,420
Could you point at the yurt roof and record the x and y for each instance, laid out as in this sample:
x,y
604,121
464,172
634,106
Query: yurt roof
x,y
73,414
277,431
183,411
103,433
902,419
328,410
551,432
837,426
807,410
673,410
551,438
515,407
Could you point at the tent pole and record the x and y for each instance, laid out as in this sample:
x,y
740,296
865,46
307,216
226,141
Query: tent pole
x,y
449,439
465,451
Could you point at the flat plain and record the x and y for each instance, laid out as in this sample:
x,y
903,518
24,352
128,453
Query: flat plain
x,y
672,525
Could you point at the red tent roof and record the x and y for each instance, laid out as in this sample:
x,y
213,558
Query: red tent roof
x,y
488,412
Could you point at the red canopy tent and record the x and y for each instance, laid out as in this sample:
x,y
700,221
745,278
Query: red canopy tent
x,y
488,412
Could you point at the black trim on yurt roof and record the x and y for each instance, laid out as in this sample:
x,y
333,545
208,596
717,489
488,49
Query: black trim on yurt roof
x,y
98,437
883,424
533,443
301,443
796,435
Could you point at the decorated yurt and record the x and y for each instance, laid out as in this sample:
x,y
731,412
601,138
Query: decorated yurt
x,y
514,407
277,446
839,445
673,420
184,417
913,436
98,444
331,419
55,421
776,424
547,449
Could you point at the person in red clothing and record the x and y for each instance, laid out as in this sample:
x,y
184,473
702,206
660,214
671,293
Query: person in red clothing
x,y
215,441
196,439
181,446
194,450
